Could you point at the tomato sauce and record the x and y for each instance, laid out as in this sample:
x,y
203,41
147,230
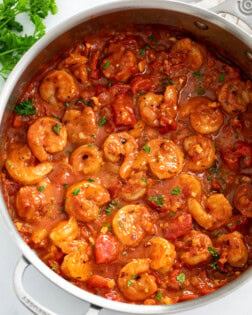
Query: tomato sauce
x,y
128,166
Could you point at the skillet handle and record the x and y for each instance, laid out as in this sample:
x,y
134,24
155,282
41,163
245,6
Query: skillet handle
x,y
28,301
239,8
23,296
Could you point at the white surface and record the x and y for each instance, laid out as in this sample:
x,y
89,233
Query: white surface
x,y
56,299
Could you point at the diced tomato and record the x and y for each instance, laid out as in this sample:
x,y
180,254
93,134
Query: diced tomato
x,y
241,149
97,281
236,221
123,111
178,226
119,88
113,296
141,84
106,248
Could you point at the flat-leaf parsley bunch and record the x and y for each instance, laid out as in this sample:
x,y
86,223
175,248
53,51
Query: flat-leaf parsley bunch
x,y
13,44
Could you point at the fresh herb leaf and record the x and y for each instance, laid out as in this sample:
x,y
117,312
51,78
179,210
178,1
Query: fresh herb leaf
x,y
120,224
107,63
56,129
198,75
146,148
76,191
158,199
41,188
25,108
88,69
181,277
68,152
214,254
133,276
54,267
229,224
113,205
129,283
144,180
159,296
91,180
65,186
221,77
175,191
102,121
142,52
209,178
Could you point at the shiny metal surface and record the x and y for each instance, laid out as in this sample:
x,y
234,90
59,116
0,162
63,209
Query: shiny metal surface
x,y
219,32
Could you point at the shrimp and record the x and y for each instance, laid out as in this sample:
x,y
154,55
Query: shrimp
x,y
235,96
194,52
135,282
66,230
46,135
158,110
120,64
243,200
195,248
76,63
81,125
18,168
200,153
86,159
233,249
205,116
58,86
162,254
135,188
118,144
131,223
76,265
218,215
165,158
83,200
137,129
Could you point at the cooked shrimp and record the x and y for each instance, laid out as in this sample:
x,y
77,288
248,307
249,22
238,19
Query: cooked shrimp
x,y
200,153
158,110
164,157
218,215
70,246
235,96
58,86
195,248
76,265
131,223
135,282
86,159
81,125
19,169
137,129
205,116
120,64
118,144
46,135
233,249
83,200
162,254
194,52
66,230
243,200
135,188
76,63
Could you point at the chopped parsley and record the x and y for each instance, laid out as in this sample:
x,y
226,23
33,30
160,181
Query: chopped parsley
x,y
54,267
88,103
89,70
158,199
146,148
91,180
239,221
142,52
102,121
106,65
133,276
65,186
76,191
152,37
109,84
222,77
41,188
67,104
56,117
159,296
209,178
229,224
175,191
200,90
198,75
121,225
56,129
113,205
144,180
129,283
181,277
215,256
25,108
90,145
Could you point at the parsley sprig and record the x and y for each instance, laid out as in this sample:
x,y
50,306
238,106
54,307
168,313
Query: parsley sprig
x,y
25,108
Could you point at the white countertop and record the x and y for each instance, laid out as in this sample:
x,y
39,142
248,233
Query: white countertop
x,y
238,302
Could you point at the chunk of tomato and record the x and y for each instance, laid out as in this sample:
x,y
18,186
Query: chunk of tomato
x,y
106,248
178,226
123,111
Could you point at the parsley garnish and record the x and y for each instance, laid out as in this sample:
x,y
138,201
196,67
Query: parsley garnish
x,y
112,206
158,198
198,75
88,69
146,148
229,224
68,152
215,256
54,267
181,277
159,296
142,52
152,37
129,283
56,129
175,191
120,224
102,121
144,180
76,191
65,186
25,108
12,43
222,77
106,65
91,180
200,90
133,276
41,188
